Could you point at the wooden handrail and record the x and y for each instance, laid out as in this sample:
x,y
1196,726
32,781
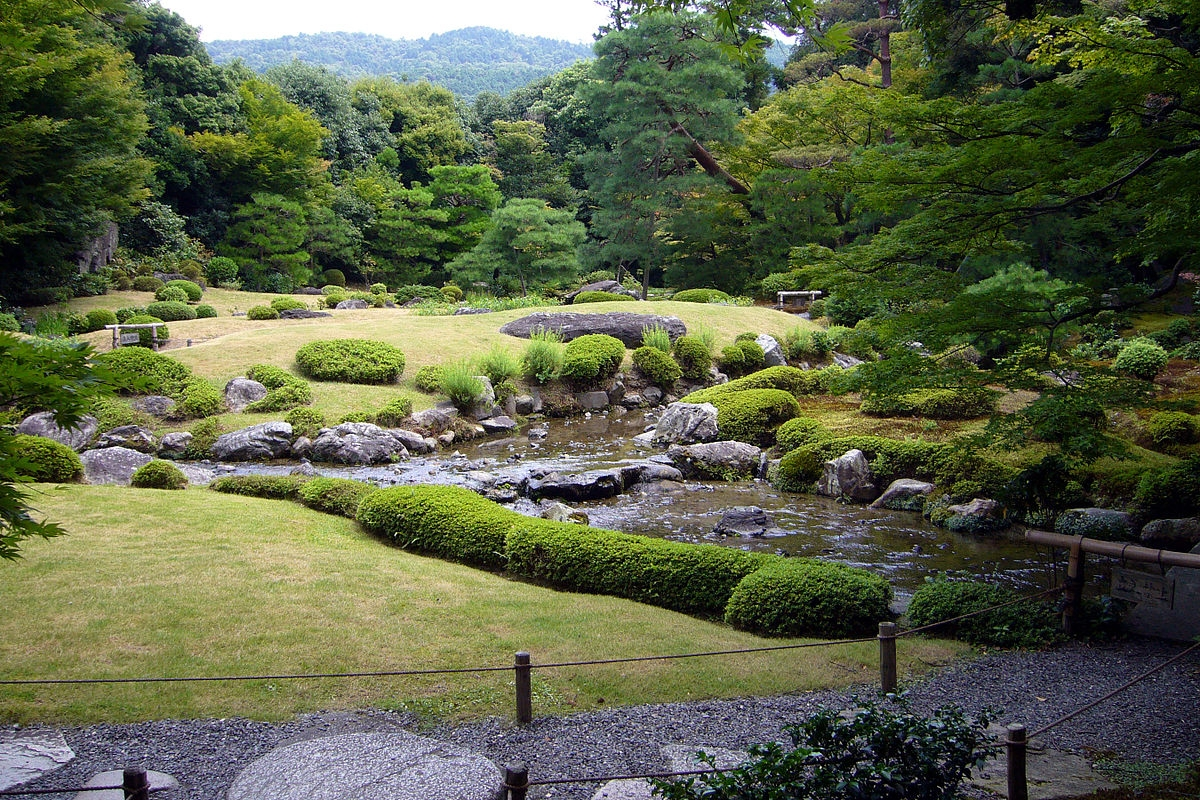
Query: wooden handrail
x,y
1126,552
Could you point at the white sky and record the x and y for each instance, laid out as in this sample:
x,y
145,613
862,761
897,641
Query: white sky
x,y
569,20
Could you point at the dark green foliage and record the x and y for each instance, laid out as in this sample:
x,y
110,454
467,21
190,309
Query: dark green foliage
x,y
97,318
146,335
701,296
658,366
394,413
805,597
876,751
1172,491
198,399
350,361
429,378
111,412
272,487
890,459
334,277
405,293
305,421
1141,358
799,432
158,474
221,270
153,372
191,289
1189,351
125,314
1107,527
170,294
286,303
691,578
283,398
171,311
261,313
146,283
206,312
445,521
1169,429
1032,623
357,416
753,415
733,360
796,382
339,496
9,323
204,435
752,355
600,297
45,460
933,404
591,358
693,357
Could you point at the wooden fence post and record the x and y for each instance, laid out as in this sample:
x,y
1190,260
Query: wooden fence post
x,y
516,781
136,784
524,689
1074,594
887,657
1015,745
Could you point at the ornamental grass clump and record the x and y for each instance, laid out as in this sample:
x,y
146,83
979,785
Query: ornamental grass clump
x,y
543,358
656,336
461,384
158,474
351,361
499,365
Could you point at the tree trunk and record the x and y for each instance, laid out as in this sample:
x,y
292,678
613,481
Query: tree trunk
x,y
709,164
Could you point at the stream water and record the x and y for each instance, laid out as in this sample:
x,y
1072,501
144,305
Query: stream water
x,y
899,545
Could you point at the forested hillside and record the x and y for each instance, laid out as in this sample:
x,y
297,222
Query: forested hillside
x,y
467,61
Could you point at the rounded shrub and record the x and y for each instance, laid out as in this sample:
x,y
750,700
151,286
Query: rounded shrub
x,y
1172,491
1141,358
445,521
8,322
350,361
282,398
1173,428
798,432
97,318
600,297
733,360
340,496
205,311
796,382
271,487
221,270
378,288
286,303
334,277
305,421
47,461
753,356
198,399
261,313
1030,624
157,373
429,378
158,474
452,293
171,311
124,314
701,296
189,288
658,366
806,597
693,357
170,294
394,413
592,357
146,283
753,415
413,290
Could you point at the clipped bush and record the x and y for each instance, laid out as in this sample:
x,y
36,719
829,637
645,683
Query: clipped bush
x,y
204,435
429,378
733,360
657,366
112,412
350,361
543,358
198,399
693,356
158,474
378,288
452,293
305,421
445,521
148,372
461,384
591,358
405,293
499,365
798,432
753,356
695,579
394,413
600,297
45,460
97,318
1173,428
146,283
1030,624
356,416
701,296
262,313
205,311
170,294
1141,358
271,376
933,404
340,496
796,382
189,288
125,314
806,597
171,311
271,487
286,303
282,398
221,270
334,277
1172,491
753,415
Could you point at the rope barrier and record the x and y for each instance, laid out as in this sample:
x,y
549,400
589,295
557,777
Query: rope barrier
x,y
72,790
828,643
305,676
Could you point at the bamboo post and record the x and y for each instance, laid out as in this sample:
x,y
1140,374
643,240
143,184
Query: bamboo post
x,y
524,689
136,784
1074,595
887,657
1015,746
516,781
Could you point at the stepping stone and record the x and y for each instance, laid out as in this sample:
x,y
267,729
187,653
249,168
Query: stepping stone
x,y
158,782
677,758
367,766
28,754
1050,775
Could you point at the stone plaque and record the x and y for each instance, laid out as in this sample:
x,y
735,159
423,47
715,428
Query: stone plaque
x,y
131,338
1142,587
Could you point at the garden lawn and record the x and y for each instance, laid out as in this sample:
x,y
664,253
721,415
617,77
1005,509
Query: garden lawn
x,y
194,583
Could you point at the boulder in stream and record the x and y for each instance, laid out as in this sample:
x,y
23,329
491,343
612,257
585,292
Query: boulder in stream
x,y
598,484
725,461
261,442
357,443
848,476
686,423
904,494
744,521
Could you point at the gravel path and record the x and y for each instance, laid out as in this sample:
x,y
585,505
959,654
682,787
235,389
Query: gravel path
x,y
1157,720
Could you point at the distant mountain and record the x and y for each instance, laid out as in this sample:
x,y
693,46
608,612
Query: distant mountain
x,y
467,61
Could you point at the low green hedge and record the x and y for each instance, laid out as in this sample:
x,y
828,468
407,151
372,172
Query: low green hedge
x,y
798,432
394,413
933,404
156,373
429,378
305,421
753,415
690,578
600,297
261,313
797,382
350,361
701,296
171,311
45,460
806,597
272,487
158,474
340,496
284,390
1029,624
189,288
445,521
198,399
658,366
591,358
287,304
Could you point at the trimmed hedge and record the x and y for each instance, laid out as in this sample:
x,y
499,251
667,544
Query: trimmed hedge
x,y
171,311
271,487
158,474
284,390
45,460
147,283
97,318
305,421
592,357
198,399
262,313
445,521
753,415
701,296
158,374
693,357
190,288
171,294
395,412
1030,624
205,311
798,432
351,361
600,297
287,304
794,381
429,378
658,366
695,579
806,597
340,496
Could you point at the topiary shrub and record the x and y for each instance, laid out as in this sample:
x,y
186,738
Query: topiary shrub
x,y
543,358
413,290
282,398
733,360
657,366
261,313
796,382
350,361
445,521
97,318
221,270
452,293
158,474
798,432
378,288
189,288
429,378
1030,624
753,356
806,597
205,311
933,404
305,421
693,357
125,314
753,415
701,296
272,487
45,460
1168,429
600,297
690,578
171,311
1141,358
591,358
147,371
334,277
146,283
286,303
198,399
340,496
171,294
394,413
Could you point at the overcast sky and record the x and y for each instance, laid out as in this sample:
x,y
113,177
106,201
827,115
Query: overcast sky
x,y
570,20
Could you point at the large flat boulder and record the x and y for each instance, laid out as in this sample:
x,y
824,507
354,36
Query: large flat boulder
x,y
112,465
624,325
357,443
78,438
724,461
686,423
596,484
26,754
261,442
